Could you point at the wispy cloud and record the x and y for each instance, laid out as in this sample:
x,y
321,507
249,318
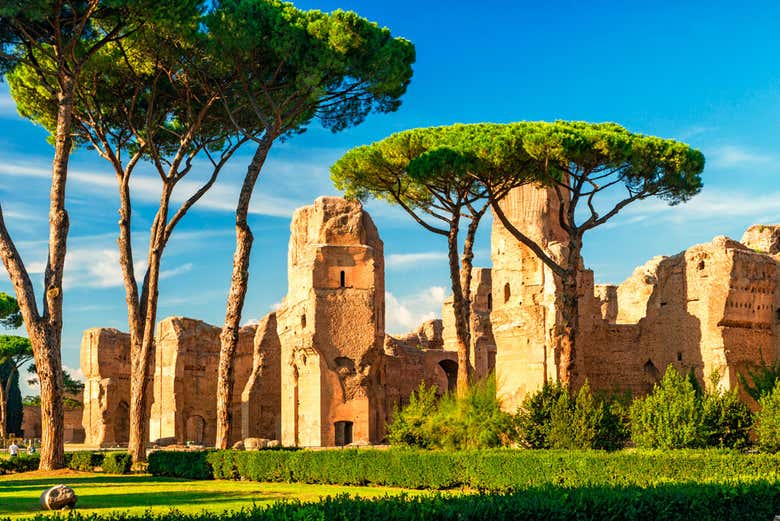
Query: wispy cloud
x,y
404,314
731,156
409,260
711,206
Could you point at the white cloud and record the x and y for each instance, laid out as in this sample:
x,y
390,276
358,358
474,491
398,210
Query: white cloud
x,y
404,314
100,268
731,156
7,105
407,260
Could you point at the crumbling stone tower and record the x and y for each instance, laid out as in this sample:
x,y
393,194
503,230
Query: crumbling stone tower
x,y
331,327
525,295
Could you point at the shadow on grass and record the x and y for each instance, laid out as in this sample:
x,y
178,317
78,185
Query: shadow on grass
x,y
95,481
22,504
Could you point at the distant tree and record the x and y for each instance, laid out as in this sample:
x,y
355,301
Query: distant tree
x,y
596,170
440,177
292,67
15,351
70,385
10,315
56,39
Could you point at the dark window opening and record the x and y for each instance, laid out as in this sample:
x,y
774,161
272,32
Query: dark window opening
x,y
777,314
651,370
507,293
343,279
343,433
490,301
663,304
450,368
679,356
701,265
303,320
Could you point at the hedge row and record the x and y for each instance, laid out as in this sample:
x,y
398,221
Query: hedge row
x,y
21,463
490,470
669,502
110,462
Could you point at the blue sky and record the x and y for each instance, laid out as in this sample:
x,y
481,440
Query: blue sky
x,y
706,73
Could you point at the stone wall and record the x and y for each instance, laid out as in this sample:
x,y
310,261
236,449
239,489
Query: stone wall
x,y
261,399
711,309
105,362
184,407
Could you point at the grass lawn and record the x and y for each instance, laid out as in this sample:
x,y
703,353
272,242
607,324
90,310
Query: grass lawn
x,y
101,493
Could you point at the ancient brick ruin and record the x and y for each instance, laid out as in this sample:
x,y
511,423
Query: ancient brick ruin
x,y
320,371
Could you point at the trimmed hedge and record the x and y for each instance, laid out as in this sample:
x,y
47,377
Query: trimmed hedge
x,y
664,502
117,462
84,460
21,463
489,470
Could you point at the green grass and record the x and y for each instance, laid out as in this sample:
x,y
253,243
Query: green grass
x,y
100,493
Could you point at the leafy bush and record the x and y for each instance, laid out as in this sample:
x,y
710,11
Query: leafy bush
x,y
85,461
587,422
21,463
413,425
180,464
670,417
551,418
117,462
727,421
535,415
768,421
473,421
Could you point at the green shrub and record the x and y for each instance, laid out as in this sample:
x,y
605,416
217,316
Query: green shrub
x,y
533,419
414,425
587,422
117,462
469,422
85,461
474,421
670,417
21,463
727,421
768,421
180,464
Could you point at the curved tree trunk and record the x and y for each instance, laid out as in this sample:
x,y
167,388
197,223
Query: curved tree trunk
x,y
466,271
458,308
235,303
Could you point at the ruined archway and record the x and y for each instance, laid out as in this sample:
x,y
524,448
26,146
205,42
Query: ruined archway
x,y
122,423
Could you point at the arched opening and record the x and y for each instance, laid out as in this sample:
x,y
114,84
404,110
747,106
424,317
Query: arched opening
x,y
490,301
507,292
296,407
342,279
122,423
343,433
450,368
194,430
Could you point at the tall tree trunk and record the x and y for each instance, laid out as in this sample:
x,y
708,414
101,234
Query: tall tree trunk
x,y
46,340
466,271
570,313
4,408
235,302
458,305
142,345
